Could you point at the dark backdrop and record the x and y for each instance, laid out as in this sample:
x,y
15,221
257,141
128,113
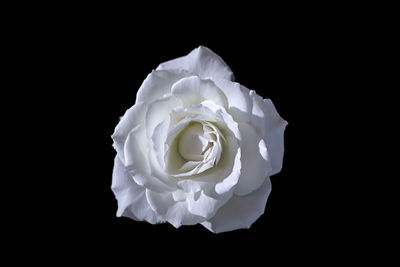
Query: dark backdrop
x,y
286,69
93,69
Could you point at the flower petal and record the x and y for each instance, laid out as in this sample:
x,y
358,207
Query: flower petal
x,y
204,205
193,90
202,62
159,202
255,161
240,211
232,179
224,119
158,111
157,171
274,133
158,140
178,214
194,185
137,163
175,212
131,197
132,118
239,102
272,126
159,83
179,195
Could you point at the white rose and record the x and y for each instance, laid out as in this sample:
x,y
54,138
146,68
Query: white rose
x,y
196,147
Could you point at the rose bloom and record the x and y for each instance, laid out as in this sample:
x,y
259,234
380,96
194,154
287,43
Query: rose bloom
x,y
196,147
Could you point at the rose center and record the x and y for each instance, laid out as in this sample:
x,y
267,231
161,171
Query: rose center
x,y
192,143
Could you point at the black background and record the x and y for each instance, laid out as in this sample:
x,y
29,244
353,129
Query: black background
x,y
283,70
87,72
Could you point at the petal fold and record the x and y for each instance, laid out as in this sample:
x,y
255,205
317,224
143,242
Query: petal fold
x,y
132,118
274,135
240,211
132,201
193,90
202,62
159,83
255,161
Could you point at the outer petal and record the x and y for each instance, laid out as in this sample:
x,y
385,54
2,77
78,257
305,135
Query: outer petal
x,y
207,203
240,211
132,118
159,202
246,106
239,102
202,62
159,83
255,162
203,205
274,133
178,214
175,212
132,201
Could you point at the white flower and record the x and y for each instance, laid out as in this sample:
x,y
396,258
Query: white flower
x,y
196,147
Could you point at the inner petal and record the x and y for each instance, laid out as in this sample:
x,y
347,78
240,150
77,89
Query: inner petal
x,y
192,143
